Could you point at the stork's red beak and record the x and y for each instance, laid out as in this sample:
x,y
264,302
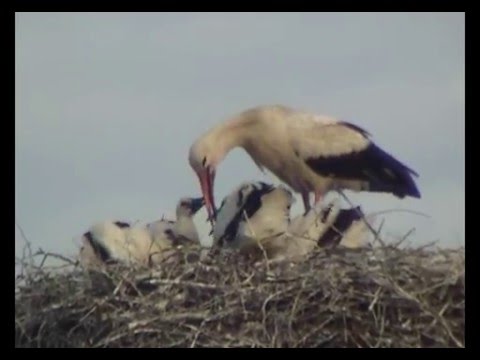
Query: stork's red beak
x,y
207,179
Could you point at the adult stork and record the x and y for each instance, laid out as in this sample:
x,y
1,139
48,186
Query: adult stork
x,y
310,153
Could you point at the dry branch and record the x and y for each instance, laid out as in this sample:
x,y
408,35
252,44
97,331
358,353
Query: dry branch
x,y
380,297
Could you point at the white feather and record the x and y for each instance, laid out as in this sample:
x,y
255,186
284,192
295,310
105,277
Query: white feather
x,y
270,219
142,244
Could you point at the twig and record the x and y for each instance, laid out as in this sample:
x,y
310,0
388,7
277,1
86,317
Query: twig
x,y
377,237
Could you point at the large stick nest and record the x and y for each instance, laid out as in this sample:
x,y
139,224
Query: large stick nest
x,y
380,297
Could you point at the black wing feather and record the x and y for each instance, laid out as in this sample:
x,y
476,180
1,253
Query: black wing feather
x,y
383,172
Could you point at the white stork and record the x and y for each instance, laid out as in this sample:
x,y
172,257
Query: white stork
x,y
112,241
183,229
256,216
310,153
253,214
108,241
333,226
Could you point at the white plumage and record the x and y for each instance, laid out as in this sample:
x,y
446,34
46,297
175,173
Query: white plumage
x,y
314,223
310,153
358,234
109,241
333,226
183,229
252,214
255,218
117,242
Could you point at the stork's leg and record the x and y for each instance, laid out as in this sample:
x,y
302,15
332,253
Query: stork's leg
x,y
306,201
318,197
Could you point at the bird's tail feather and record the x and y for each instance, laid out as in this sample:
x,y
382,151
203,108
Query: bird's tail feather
x,y
392,175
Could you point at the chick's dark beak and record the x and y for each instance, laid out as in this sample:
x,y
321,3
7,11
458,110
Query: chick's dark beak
x,y
196,204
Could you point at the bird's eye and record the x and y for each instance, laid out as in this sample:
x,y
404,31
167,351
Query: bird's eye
x,y
204,161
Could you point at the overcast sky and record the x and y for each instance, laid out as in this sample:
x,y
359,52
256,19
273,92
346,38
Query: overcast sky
x,y
107,105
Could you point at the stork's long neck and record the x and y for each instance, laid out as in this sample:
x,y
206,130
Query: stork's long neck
x,y
233,133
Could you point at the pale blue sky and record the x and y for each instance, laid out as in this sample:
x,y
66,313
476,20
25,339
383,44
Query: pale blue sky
x,y
107,105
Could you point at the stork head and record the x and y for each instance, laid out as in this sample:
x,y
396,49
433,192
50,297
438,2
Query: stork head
x,y
204,158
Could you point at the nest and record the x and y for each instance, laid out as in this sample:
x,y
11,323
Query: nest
x,y
379,297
